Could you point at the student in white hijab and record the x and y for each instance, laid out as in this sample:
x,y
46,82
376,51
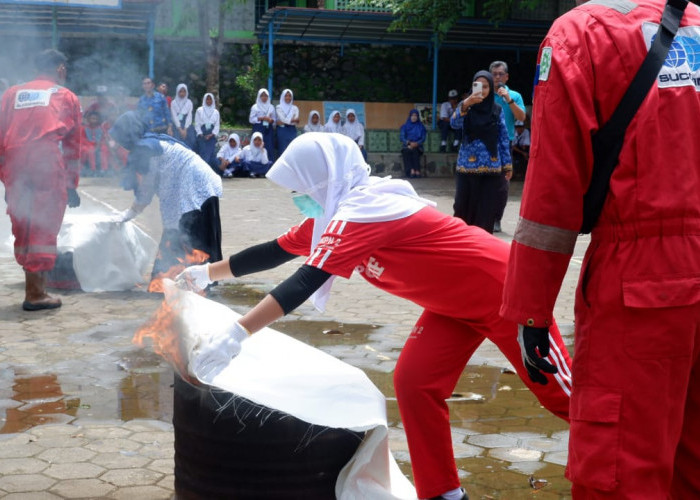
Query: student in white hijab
x,y
253,158
333,124
181,111
375,226
228,156
314,124
355,130
206,124
287,120
262,118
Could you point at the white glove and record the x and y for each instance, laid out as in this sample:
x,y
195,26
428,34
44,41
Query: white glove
x,y
126,215
207,360
194,278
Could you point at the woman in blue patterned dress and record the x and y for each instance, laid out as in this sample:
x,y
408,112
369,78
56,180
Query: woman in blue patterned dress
x,y
484,161
187,188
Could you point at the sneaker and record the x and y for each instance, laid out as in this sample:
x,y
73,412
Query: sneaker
x,y
228,174
464,496
497,227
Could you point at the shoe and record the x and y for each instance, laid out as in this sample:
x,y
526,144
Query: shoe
x,y
228,175
464,496
497,227
35,297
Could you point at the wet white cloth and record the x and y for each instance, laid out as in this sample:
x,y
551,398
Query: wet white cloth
x,y
330,168
279,372
207,115
108,256
182,181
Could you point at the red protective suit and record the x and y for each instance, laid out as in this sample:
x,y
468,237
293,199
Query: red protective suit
x,y
455,272
94,151
40,140
635,404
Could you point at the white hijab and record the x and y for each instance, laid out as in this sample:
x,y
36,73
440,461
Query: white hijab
x,y
286,107
210,115
352,129
331,126
331,170
181,105
263,108
227,151
310,127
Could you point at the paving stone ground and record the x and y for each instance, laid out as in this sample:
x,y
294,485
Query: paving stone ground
x,y
60,443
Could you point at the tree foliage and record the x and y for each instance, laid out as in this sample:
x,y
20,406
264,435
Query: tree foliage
x,y
254,76
440,15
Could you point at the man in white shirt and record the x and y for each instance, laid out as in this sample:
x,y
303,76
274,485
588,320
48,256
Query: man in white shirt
x,y
446,110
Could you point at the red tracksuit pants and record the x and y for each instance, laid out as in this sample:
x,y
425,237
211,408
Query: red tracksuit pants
x,y
427,372
35,191
635,404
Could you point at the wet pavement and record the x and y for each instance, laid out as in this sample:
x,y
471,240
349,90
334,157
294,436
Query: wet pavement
x,y
84,413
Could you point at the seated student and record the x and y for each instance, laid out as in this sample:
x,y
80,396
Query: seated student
x,y
228,154
333,124
413,135
355,130
314,124
253,158
94,153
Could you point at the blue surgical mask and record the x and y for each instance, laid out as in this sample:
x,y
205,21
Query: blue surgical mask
x,y
307,206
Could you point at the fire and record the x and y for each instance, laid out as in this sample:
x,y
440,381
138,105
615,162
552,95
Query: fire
x,y
196,257
162,331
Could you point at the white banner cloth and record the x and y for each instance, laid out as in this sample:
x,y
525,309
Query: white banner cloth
x,y
279,372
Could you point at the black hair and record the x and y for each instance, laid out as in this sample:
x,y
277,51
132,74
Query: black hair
x,y
49,60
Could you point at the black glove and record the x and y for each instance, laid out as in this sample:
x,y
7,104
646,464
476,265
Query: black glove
x,y
73,198
534,347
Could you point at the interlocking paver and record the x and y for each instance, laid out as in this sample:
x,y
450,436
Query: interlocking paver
x,y
86,345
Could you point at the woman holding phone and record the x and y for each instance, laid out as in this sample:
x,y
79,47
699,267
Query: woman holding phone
x,y
484,154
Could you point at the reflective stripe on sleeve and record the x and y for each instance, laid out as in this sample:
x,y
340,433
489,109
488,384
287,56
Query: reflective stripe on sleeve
x,y
543,237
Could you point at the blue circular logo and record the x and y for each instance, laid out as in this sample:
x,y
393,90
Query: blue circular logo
x,y
676,55
691,46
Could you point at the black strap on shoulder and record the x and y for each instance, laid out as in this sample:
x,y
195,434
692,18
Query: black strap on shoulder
x,y
608,141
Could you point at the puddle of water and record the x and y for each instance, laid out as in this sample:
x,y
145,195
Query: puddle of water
x,y
501,434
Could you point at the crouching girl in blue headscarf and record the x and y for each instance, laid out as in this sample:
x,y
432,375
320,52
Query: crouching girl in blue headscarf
x,y
186,186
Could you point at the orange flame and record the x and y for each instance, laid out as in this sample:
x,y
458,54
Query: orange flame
x,y
161,329
196,257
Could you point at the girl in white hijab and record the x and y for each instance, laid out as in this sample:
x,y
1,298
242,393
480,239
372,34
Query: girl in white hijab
x,y
228,155
253,158
355,130
262,118
287,120
206,124
181,111
397,241
333,124
314,124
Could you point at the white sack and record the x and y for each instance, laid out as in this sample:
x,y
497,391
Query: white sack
x,y
108,256
279,372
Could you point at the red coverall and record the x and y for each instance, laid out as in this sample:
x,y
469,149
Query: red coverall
x,y
40,141
635,407
455,272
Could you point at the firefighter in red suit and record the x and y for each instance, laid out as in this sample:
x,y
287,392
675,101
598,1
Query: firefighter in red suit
x,y
635,405
40,142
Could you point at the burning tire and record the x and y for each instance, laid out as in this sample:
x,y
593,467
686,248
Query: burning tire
x,y
229,447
